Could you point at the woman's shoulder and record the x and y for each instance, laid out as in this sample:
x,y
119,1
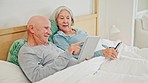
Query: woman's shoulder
x,y
59,33
80,30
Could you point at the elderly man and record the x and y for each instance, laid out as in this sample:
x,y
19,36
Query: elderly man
x,y
39,58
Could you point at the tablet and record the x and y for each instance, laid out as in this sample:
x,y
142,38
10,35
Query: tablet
x,y
88,48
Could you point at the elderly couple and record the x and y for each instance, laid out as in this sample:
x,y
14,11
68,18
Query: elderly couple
x,y
39,58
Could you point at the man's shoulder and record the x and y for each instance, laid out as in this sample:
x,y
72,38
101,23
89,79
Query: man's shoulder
x,y
25,48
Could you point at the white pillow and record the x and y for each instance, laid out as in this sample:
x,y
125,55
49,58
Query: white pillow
x,y
145,22
11,73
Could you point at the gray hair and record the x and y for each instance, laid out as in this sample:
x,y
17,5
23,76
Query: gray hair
x,y
61,8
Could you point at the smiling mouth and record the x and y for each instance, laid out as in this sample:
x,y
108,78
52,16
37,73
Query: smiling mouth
x,y
65,25
46,35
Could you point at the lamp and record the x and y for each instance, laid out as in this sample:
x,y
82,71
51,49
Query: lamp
x,y
114,32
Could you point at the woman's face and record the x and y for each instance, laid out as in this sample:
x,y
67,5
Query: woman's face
x,y
64,21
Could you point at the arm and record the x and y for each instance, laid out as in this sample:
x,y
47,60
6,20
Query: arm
x,y
60,42
110,53
36,68
98,53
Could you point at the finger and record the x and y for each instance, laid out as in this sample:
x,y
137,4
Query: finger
x,y
86,58
78,43
114,51
116,54
113,56
77,50
110,57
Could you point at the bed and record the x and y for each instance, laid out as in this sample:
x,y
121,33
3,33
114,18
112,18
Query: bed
x,y
9,35
131,65
141,30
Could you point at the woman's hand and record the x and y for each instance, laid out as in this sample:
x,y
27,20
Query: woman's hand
x,y
75,48
110,53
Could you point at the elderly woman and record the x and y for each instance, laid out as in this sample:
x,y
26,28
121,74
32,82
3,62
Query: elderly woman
x,y
67,35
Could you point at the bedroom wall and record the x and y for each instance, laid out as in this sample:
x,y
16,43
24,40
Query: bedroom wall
x,y
120,13
142,5
17,12
111,12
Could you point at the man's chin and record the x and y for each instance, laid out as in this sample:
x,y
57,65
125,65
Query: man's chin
x,y
46,40
46,43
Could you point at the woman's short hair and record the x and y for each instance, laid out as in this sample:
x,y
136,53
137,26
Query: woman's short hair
x,y
61,8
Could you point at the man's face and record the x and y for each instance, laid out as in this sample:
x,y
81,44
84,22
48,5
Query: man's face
x,y
42,31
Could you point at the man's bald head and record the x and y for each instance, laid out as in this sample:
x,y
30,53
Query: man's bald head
x,y
38,30
37,20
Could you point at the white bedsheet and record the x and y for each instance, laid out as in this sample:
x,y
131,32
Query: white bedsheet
x,y
131,66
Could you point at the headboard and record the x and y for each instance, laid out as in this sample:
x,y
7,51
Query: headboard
x,y
9,35
88,23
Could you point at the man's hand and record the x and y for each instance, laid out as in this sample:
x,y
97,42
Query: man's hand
x,y
110,53
75,48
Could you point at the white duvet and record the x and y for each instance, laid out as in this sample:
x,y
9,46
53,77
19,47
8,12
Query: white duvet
x,y
131,66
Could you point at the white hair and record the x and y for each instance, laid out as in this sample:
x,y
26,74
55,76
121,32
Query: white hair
x,y
58,11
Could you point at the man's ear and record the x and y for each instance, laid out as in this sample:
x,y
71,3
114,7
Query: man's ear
x,y
31,28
